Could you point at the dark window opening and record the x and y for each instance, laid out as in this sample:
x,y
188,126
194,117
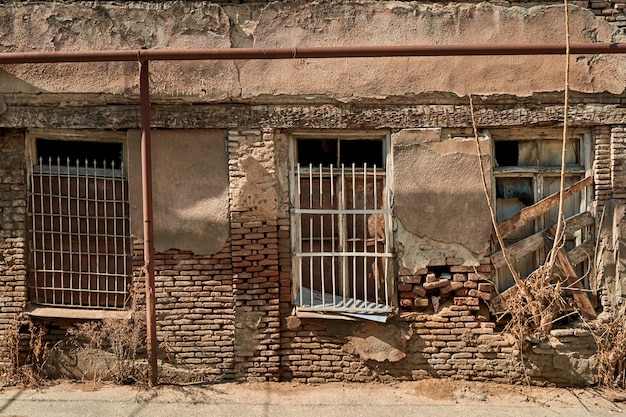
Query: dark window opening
x,y
507,153
338,152
361,152
317,151
79,151
520,188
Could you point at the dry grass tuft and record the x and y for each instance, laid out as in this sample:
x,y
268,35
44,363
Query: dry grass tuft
x,y
611,352
123,338
26,370
534,311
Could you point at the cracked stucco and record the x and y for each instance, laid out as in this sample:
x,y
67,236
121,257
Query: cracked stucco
x,y
177,24
439,201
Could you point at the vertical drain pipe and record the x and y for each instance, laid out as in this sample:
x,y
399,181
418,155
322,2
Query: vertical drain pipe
x,y
148,238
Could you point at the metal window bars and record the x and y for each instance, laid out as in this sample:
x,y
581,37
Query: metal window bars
x,y
342,248
80,243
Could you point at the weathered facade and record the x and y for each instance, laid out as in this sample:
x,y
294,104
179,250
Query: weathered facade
x,y
315,219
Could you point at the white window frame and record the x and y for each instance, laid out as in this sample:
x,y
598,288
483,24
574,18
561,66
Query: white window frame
x,y
335,299
62,281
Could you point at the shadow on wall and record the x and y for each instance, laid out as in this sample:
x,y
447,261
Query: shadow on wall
x,y
11,84
190,189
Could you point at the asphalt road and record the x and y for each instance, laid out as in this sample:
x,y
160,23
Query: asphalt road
x,y
288,399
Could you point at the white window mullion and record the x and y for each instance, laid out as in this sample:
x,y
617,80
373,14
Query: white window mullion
x,y
343,238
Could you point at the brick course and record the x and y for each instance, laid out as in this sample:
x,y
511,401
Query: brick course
x,y
13,232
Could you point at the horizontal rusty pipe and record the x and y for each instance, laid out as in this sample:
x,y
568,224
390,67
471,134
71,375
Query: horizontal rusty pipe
x,y
308,52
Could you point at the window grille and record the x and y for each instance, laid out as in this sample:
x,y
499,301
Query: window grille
x,y
80,246
342,245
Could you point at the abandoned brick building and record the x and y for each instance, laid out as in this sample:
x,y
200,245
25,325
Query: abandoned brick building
x,y
314,219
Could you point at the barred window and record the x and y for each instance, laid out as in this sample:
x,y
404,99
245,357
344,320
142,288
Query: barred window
x,y
341,225
79,221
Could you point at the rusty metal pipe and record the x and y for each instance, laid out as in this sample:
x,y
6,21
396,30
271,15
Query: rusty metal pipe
x,y
308,52
148,229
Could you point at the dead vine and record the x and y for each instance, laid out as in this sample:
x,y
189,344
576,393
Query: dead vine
x,y
26,370
610,340
123,338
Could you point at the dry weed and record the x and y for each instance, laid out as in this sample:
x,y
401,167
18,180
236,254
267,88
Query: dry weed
x,y
123,338
611,352
543,296
28,370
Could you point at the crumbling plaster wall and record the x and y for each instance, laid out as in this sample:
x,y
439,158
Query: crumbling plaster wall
x,y
177,24
437,177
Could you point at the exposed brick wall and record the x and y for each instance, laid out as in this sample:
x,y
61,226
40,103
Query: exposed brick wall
x,y
567,358
255,259
220,314
611,10
13,231
451,343
602,166
458,340
195,310
618,163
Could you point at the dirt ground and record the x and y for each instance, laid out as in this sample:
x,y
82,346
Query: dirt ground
x,y
432,397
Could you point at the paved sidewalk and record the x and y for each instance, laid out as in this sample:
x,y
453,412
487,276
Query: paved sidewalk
x,y
421,398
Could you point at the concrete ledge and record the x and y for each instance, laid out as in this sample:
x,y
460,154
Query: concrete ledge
x,y
75,313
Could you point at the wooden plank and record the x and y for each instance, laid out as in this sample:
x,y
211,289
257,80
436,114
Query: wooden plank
x,y
524,133
577,222
519,249
497,303
536,241
581,253
510,171
516,222
573,282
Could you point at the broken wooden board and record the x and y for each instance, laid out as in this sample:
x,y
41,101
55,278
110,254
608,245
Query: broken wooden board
x,y
537,240
573,282
517,221
582,252
496,305
517,250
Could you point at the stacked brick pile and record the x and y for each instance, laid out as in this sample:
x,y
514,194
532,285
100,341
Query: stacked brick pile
x,y
466,286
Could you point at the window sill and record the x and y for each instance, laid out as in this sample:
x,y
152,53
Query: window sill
x,y
325,316
333,315
75,313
